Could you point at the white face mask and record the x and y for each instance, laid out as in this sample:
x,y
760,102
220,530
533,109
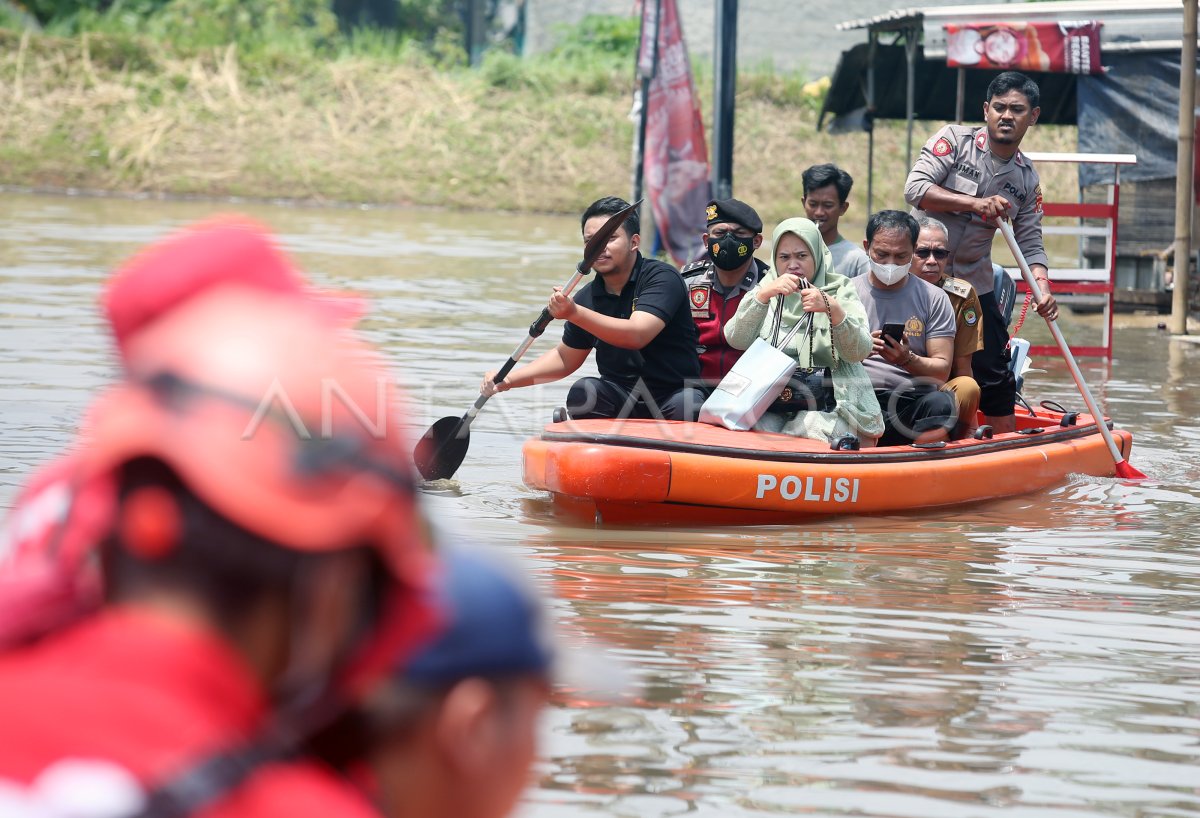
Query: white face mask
x,y
889,274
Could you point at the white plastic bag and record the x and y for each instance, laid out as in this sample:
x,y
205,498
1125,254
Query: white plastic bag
x,y
749,388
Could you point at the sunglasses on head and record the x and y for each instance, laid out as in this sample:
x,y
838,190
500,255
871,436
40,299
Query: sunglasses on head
x,y
937,252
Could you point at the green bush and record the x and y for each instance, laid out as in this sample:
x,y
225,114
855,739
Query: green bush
x,y
594,57
599,37
501,69
246,22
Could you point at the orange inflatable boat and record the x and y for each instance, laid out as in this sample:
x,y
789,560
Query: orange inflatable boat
x,y
664,472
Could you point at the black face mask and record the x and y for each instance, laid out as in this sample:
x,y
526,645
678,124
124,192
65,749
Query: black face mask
x,y
730,252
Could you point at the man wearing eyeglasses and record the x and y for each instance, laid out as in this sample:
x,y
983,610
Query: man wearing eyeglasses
x,y
717,282
930,258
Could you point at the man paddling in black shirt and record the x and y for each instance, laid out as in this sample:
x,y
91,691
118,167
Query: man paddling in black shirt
x,y
635,314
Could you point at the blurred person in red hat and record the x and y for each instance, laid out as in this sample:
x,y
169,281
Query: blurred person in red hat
x,y
263,558
48,570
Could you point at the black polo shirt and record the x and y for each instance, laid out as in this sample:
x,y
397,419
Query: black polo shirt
x,y
670,358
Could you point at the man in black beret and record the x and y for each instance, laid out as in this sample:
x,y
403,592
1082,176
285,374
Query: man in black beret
x,y
717,283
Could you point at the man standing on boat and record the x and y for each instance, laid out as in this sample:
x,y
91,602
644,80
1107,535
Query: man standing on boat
x,y
974,176
717,283
826,200
635,314
912,332
929,264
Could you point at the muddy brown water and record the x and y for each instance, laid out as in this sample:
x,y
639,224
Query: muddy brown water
x,y
1032,656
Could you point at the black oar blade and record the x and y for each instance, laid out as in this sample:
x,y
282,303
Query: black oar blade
x,y
441,450
599,240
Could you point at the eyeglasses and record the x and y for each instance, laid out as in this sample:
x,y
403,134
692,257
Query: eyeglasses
x,y
314,456
939,253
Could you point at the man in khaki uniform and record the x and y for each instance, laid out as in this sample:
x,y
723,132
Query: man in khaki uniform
x,y
973,176
929,262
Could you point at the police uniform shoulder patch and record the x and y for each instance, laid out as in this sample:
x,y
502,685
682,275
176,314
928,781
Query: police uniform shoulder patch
x,y
699,295
981,139
942,147
1037,199
956,286
970,316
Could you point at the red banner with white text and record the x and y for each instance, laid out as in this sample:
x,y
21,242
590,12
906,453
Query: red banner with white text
x,y
1063,48
676,159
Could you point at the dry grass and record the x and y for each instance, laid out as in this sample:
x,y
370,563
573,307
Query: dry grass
x,y
130,116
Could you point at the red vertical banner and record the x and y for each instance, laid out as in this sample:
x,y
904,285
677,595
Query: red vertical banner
x,y
675,162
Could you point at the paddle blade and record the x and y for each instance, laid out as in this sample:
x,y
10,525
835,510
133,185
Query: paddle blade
x,y
599,240
441,450
1128,472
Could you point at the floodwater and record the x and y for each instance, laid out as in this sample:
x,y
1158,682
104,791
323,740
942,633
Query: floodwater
x,y
1034,656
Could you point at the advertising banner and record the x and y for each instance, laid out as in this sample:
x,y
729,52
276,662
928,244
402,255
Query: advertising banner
x,y
1063,48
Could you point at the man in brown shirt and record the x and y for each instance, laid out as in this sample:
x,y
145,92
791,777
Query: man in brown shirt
x,y
929,262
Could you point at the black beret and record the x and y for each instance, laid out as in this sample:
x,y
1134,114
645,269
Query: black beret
x,y
735,212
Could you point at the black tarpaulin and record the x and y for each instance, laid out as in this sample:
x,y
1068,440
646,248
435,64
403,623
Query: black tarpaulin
x,y
936,89
1134,108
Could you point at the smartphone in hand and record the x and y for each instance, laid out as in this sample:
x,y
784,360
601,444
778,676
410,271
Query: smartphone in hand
x,y
895,331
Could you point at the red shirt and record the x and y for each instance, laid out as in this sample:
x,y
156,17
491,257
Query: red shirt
x,y
154,696
711,311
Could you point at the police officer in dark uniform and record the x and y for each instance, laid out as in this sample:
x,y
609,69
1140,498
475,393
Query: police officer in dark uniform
x,y
971,177
717,283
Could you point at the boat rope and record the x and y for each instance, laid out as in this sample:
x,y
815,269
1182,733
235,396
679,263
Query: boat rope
x,y
1024,312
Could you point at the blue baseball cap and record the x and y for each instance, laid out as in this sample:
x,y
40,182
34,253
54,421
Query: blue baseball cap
x,y
496,625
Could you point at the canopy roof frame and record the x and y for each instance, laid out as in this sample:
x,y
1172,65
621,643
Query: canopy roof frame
x,y
1146,26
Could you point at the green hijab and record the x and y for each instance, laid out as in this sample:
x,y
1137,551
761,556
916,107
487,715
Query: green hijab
x,y
824,278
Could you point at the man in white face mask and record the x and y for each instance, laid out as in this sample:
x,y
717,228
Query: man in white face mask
x,y
912,330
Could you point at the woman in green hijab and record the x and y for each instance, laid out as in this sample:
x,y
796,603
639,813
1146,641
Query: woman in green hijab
x,y
839,339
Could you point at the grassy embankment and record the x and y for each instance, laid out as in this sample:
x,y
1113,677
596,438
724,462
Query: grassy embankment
x,y
126,114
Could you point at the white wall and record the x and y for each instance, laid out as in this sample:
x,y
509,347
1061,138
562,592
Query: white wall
x,y
791,35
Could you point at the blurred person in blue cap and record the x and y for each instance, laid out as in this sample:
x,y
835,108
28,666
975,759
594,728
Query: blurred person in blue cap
x,y
454,733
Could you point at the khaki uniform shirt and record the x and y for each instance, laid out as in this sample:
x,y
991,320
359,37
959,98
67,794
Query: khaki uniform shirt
x,y
957,158
968,317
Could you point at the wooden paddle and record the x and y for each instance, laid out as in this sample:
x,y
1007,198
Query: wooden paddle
x,y
441,450
1124,469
